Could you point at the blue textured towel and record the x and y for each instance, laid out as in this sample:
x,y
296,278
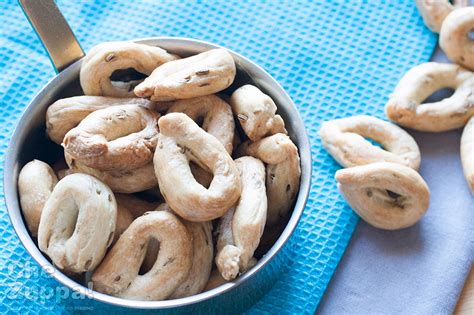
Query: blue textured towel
x,y
335,58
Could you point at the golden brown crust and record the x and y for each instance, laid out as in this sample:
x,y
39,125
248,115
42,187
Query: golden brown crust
x,y
256,113
199,75
192,201
405,105
454,37
78,223
118,275
467,153
36,181
118,137
103,59
344,140
217,115
67,113
386,195
282,172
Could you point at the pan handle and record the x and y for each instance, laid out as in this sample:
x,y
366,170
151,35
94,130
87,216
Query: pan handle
x,y
53,31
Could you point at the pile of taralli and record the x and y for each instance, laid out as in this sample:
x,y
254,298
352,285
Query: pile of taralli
x,y
170,138
382,184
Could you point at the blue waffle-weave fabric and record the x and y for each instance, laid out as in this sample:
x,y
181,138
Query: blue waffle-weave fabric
x,y
334,58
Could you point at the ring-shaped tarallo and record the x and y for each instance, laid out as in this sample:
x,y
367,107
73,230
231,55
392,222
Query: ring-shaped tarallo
x,y
118,274
67,113
386,195
243,226
189,199
216,114
283,172
36,181
405,105
255,112
78,223
103,59
206,73
117,137
126,181
455,38
344,139
434,12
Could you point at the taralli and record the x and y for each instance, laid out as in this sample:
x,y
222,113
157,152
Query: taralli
x,y
256,113
118,273
35,184
386,195
434,12
405,105
216,114
118,137
228,255
282,172
203,74
240,229
203,254
180,135
103,59
125,181
67,113
467,153
250,214
454,37
78,223
345,140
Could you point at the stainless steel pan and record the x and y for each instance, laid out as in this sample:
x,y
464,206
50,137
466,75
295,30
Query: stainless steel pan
x,y
29,141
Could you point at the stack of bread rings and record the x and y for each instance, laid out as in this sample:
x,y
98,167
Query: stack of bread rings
x,y
159,195
382,184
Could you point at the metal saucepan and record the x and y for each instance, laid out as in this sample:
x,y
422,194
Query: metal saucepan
x,y
29,142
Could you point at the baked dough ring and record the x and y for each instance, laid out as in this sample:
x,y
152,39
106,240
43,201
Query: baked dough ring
x,y
434,12
189,199
405,108
203,254
344,140
228,255
386,195
117,275
256,113
454,37
78,223
217,115
282,172
118,137
35,184
103,59
250,214
125,181
241,228
203,74
467,153
67,113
